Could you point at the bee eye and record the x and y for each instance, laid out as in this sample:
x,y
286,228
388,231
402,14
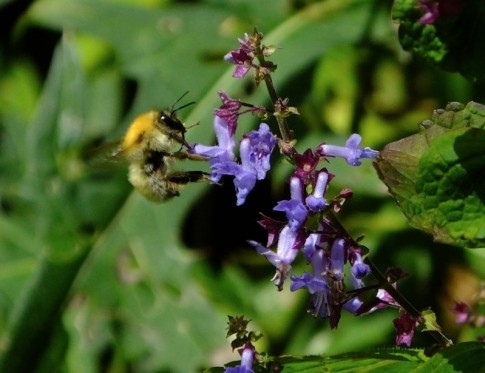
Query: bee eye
x,y
171,121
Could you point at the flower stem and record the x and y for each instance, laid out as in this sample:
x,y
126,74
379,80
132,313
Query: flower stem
x,y
282,124
393,292
403,302
267,68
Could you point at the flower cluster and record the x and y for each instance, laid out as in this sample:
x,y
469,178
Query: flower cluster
x,y
309,229
255,149
250,50
338,264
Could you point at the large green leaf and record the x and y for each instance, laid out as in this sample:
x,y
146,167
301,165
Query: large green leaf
x,y
437,176
464,357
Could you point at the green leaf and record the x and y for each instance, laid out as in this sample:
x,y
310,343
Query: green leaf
x,y
463,357
453,41
383,360
437,177
430,322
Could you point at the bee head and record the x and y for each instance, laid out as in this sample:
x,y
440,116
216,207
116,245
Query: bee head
x,y
169,122
167,119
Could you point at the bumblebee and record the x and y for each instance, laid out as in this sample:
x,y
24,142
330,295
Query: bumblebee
x,y
150,146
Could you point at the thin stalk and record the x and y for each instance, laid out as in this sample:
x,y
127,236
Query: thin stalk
x,y
403,302
395,294
268,81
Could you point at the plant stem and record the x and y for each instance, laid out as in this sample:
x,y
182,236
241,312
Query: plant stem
x,y
282,124
393,292
403,302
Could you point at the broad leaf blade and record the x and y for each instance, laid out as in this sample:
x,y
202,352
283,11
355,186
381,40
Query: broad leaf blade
x,y
437,177
463,357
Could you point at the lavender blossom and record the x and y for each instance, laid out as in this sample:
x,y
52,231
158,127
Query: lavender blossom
x,y
242,57
295,211
221,155
316,284
435,9
350,152
337,258
286,252
431,9
316,202
255,151
247,361
462,312
405,326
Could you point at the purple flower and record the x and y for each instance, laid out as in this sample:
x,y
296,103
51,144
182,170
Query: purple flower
x,y
247,361
305,165
434,9
312,243
405,326
353,306
315,202
294,208
312,283
221,155
242,57
462,312
286,252
229,111
359,268
255,150
295,211
431,8
316,284
337,258
296,189
244,181
351,151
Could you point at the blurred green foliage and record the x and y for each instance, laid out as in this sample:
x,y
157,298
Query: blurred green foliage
x,y
96,279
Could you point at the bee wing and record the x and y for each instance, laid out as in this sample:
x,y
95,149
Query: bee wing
x,y
105,155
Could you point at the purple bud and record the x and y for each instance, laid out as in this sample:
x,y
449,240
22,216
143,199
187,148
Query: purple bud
x,y
316,202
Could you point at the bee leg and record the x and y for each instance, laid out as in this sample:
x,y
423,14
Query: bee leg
x,y
190,156
185,177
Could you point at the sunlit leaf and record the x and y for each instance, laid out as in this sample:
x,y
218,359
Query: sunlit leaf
x,y
437,175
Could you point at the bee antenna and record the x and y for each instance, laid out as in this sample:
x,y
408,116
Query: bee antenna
x,y
181,107
181,97
173,110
